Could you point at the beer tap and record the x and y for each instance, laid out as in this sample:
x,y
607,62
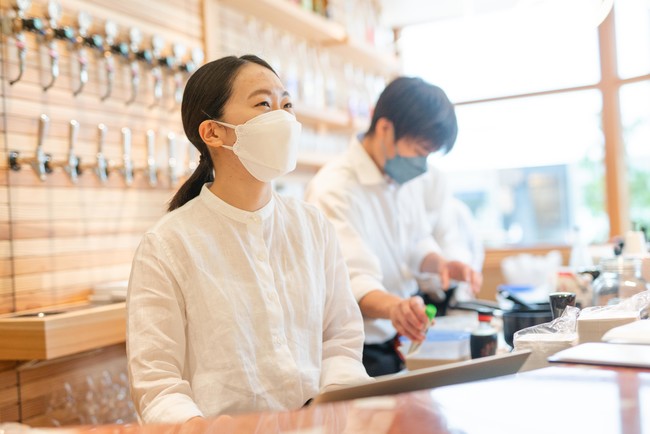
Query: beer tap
x,y
171,146
102,164
111,48
187,68
179,52
53,33
135,57
157,44
72,166
41,161
17,25
127,163
152,171
85,40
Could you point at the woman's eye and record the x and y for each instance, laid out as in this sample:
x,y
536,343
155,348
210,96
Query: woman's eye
x,y
288,105
265,103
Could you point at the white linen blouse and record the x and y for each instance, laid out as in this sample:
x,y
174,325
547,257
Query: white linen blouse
x,y
231,311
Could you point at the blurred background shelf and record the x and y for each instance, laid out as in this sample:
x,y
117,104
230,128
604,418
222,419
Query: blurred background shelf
x,y
45,335
291,18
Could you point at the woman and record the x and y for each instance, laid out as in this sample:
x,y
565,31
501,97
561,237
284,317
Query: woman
x,y
239,298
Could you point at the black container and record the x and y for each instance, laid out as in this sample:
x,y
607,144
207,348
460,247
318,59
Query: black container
x,y
518,319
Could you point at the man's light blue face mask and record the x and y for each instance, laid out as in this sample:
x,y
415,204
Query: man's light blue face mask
x,y
403,169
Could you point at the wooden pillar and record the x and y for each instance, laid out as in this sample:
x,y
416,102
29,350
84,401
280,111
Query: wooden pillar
x,y
616,185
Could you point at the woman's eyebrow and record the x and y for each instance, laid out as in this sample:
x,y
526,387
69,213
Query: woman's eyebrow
x,y
266,92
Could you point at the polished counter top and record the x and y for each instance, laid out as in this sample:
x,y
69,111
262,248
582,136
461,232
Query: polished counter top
x,y
560,399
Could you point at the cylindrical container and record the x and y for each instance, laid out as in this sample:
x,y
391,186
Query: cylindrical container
x,y
559,301
515,320
619,278
483,340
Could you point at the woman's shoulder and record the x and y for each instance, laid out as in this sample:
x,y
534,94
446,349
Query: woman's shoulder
x,y
174,220
298,208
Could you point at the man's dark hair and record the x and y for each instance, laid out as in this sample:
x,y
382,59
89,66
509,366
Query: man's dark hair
x,y
418,110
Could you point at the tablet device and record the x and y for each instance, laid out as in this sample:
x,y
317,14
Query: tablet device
x,y
443,375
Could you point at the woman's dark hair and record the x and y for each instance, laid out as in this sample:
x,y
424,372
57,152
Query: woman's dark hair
x,y
418,110
205,95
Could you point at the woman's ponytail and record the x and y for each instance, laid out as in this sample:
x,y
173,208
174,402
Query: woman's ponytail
x,y
192,187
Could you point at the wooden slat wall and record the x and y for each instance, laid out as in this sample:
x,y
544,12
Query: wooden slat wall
x,y
8,392
58,239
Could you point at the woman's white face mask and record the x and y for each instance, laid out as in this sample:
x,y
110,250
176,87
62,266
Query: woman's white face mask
x,y
267,145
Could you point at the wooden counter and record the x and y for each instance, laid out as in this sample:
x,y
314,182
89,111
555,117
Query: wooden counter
x,y
560,399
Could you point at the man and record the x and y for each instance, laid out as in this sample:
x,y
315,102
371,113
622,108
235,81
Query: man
x,y
383,229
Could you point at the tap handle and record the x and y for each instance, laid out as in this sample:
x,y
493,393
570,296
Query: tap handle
x,y
82,60
110,32
157,44
171,146
135,81
127,163
102,165
83,21
42,161
54,66
135,37
53,15
151,158
73,161
109,67
20,24
21,45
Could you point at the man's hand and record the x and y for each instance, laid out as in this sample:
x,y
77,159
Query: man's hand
x,y
464,273
452,270
409,318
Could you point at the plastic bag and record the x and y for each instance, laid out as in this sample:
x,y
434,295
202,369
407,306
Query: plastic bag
x,y
547,339
595,321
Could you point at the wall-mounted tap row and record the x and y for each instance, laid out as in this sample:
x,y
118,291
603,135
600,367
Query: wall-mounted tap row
x,y
160,61
43,164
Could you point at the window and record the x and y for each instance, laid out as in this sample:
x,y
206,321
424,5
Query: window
x,y
509,52
530,158
633,37
635,117
531,168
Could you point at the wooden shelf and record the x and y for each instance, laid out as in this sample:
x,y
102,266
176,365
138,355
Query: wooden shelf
x,y
62,331
317,29
368,57
323,117
290,17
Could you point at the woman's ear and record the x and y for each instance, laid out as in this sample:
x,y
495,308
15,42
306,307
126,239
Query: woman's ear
x,y
212,133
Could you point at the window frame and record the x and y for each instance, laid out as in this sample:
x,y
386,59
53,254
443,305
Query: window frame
x,y
616,189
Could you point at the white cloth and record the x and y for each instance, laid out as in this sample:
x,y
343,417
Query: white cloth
x,y
382,228
232,311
